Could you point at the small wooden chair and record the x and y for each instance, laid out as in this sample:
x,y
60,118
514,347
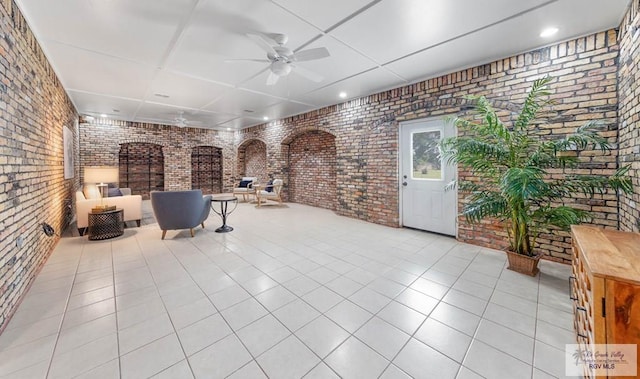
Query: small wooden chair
x,y
263,194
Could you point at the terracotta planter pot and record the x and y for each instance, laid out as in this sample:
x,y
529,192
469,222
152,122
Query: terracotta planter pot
x,y
523,264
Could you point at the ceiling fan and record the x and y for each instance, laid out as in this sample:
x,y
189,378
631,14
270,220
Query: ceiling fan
x,y
180,121
281,59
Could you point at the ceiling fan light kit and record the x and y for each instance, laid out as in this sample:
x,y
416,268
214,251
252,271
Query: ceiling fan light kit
x,y
281,58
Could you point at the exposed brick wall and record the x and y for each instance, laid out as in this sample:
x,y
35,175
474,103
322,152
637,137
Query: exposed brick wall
x,y
366,129
252,160
206,169
34,109
141,168
629,109
100,141
312,169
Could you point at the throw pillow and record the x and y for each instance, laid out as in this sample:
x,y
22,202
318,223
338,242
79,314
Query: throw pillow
x,y
245,183
114,192
269,187
91,191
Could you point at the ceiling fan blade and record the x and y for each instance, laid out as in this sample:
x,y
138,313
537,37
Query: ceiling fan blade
x,y
247,60
260,41
311,54
314,77
279,38
272,79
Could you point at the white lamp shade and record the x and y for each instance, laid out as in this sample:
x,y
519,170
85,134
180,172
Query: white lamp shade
x,y
100,174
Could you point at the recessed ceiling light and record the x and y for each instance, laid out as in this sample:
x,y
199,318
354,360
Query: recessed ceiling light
x,y
103,115
548,32
342,95
228,129
266,118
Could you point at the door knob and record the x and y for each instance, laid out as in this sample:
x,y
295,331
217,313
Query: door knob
x,y
404,184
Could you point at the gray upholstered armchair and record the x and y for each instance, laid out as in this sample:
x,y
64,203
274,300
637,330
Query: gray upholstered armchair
x,y
180,209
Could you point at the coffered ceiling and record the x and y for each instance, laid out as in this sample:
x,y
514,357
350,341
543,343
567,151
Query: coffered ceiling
x,y
150,60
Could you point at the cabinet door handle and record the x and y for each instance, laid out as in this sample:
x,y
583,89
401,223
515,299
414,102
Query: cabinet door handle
x,y
571,294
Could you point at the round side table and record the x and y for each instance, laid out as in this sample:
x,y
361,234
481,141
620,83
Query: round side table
x,y
224,210
105,225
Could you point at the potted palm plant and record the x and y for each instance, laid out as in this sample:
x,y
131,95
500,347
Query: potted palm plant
x,y
510,180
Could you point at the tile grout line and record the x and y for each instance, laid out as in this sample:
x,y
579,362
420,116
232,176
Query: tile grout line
x,y
66,306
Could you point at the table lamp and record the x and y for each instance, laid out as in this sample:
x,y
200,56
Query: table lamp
x,y
101,175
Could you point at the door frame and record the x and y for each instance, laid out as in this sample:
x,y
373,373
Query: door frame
x,y
401,166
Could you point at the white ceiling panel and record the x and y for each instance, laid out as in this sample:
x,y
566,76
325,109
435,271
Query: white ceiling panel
x,y
201,53
286,87
154,112
138,30
245,16
100,74
183,91
242,122
367,83
395,28
95,105
239,101
323,14
116,54
519,34
285,109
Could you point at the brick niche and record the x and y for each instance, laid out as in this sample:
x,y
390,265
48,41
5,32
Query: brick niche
x,y
141,168
252,160
312,169
206,169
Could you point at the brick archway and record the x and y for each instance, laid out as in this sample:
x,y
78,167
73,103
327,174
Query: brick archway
x,y
312,169
141,167
252,160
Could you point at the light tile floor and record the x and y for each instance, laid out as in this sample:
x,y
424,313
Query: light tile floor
x,y
292,292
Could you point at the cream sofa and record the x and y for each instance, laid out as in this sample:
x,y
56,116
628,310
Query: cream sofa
x,y
131,204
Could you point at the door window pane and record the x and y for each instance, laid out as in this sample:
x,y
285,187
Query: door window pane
x,y
426,162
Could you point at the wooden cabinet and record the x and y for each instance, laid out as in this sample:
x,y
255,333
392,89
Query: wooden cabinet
x,y
605,287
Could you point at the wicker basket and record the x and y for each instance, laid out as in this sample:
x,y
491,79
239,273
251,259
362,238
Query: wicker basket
x,y
523,264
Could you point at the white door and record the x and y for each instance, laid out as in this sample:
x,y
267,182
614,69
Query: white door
x,y
423,177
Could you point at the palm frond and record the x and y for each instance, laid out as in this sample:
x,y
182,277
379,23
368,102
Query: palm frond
x,y
483,207
523,183
585,136
592,184
533,103
560,216
472,152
